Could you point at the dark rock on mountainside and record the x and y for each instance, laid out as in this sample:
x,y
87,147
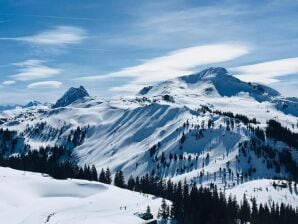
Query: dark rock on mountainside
x,y
72,95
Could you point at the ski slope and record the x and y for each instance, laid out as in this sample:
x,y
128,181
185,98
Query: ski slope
x,y
30,198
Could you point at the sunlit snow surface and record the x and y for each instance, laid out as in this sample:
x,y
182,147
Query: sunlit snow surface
x,y
31,198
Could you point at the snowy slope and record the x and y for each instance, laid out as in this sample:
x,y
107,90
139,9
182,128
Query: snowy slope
x,y
265,193
121,131
31,198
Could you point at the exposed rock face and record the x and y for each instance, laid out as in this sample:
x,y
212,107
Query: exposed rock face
x,y
71,96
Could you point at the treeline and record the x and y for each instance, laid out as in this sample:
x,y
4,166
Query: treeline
x,y
207,205
240,117
44,132
10,141
54,161
277,131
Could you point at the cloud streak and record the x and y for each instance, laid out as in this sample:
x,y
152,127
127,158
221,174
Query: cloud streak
x,y
174,64
57,36
8,82
45,85
34,69
267,72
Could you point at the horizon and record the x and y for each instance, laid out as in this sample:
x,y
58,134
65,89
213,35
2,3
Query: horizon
x,y
113,96
116,48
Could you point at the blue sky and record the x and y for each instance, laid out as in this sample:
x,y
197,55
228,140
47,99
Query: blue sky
x,y
116,47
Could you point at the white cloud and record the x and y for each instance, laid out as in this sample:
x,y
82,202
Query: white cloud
x,y
267,72
174,64
45,85
58,35
34,69
30,62
8,82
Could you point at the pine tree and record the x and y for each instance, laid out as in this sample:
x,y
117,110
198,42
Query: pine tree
x,y
185,196
108,176
94,173
119,179
163,212
244,213
232,207
254,212
131,183
148,210
102,176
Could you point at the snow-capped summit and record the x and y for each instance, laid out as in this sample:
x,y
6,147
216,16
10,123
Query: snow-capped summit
x,y
214,81
209,73
72,95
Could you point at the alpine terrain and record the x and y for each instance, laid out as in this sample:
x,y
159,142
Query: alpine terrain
x,y
208,129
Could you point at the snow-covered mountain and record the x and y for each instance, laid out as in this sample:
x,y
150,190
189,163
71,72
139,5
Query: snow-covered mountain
x,y
214,82
217,82
205,127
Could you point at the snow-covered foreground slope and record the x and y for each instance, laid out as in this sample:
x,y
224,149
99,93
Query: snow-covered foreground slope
x,y
31,198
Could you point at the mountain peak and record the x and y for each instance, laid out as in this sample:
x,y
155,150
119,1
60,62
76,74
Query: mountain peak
x,y
208,73
211,81
32,103
71,95
215,71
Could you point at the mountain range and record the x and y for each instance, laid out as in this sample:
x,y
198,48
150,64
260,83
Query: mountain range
x,y
208,127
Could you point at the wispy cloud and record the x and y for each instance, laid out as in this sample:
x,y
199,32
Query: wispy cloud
x,y
8,82
34,69
165,27
45,85
175,63
59,35
267,72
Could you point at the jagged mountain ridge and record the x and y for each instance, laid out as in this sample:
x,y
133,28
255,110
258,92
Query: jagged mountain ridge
x,y
71,95
32,103
134,133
